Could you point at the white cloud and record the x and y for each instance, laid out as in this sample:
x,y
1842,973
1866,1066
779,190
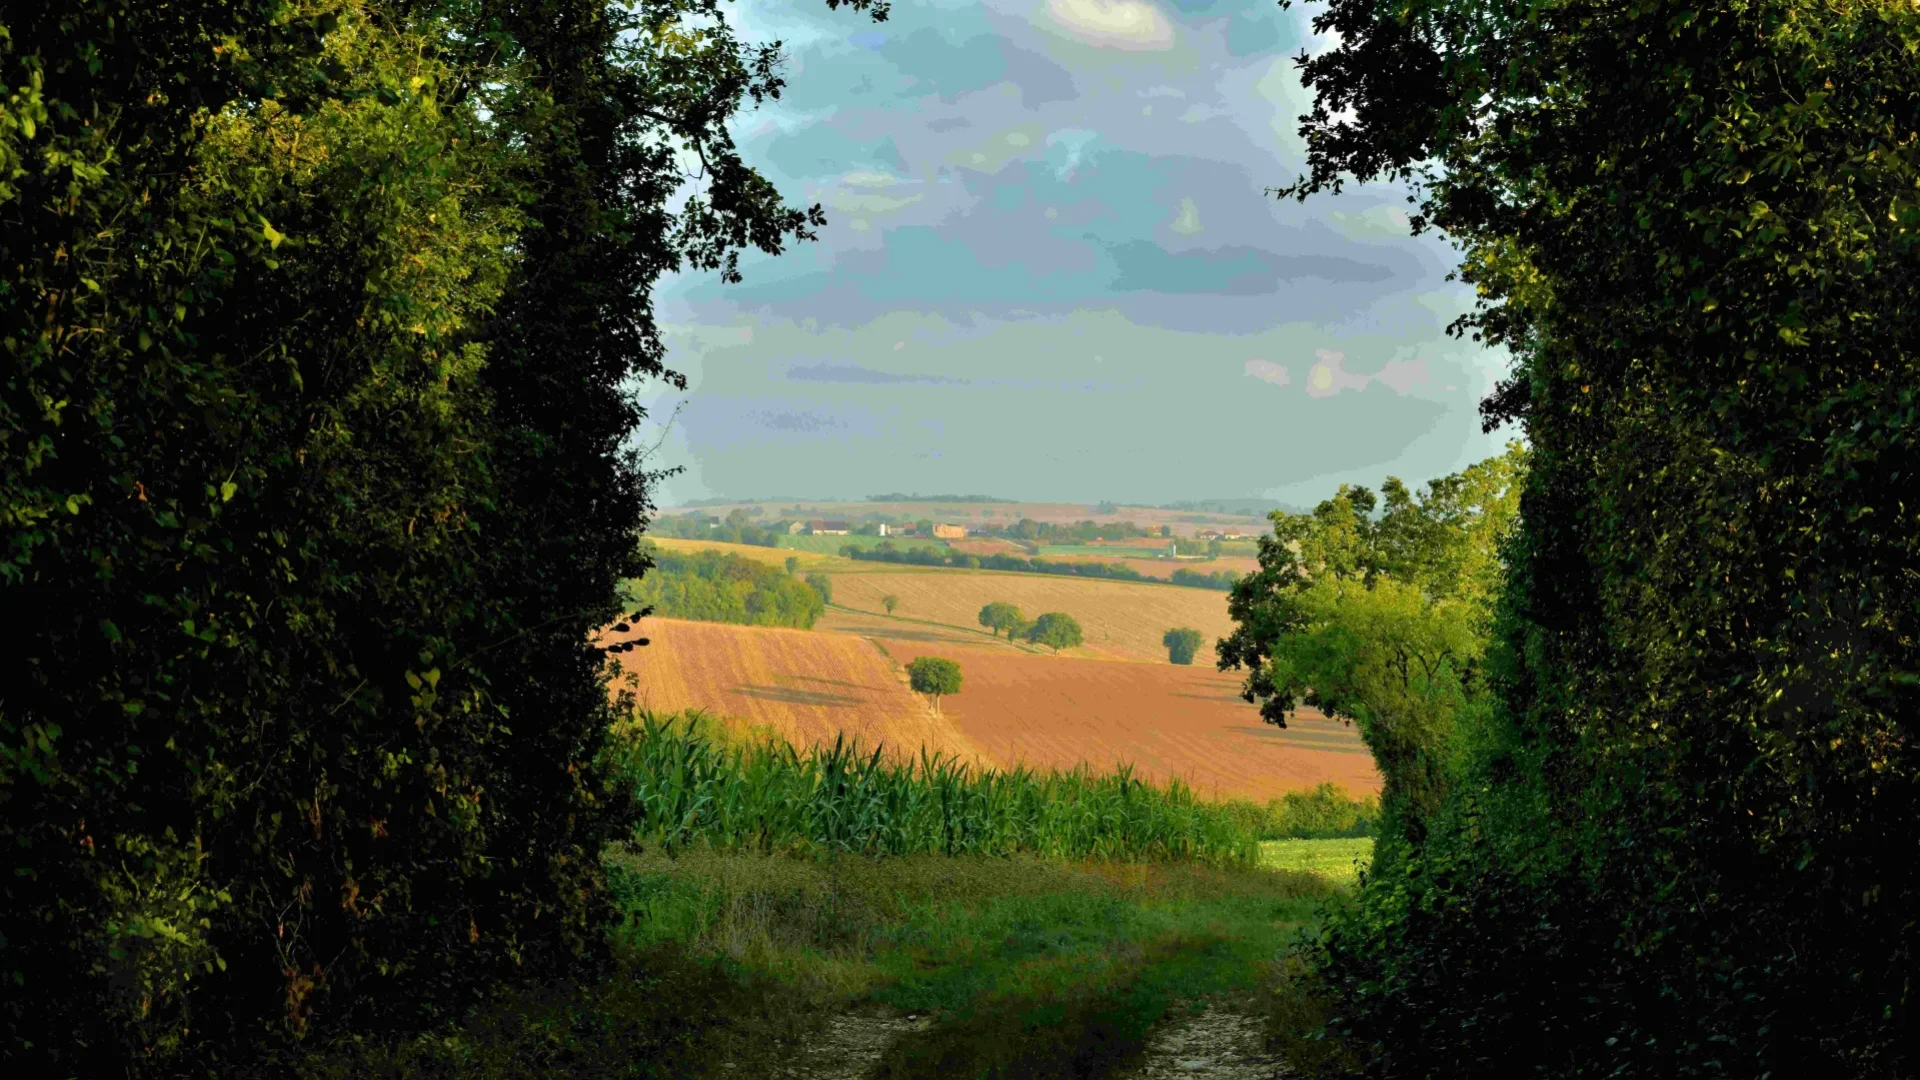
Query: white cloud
x,y
1268,371
1119,24
1326,378
1187,221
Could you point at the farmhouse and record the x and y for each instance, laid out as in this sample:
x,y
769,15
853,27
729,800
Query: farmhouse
x,y
943,531
1208,534
828,528
1234,534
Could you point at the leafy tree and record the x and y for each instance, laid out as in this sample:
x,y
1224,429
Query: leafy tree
x,y
890,602
1694,228
793,565
998,616
821,584
715,587
1182,644
934,677
319,323
1056,630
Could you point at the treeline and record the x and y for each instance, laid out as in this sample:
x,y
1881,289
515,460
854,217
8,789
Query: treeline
x,y
1652,785
320,324
1079,532
1109,571
715,587
733,530
897,497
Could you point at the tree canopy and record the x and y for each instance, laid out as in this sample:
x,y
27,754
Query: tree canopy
x,y
1694,227
999,616
1056,630
715,587
935,677
1182,643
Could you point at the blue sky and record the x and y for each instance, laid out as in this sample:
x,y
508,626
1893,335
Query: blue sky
x,y
1050,272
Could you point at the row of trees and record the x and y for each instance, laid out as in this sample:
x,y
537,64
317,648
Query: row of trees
x,y
1657,805
319,323
1056,629
1107,571
713,587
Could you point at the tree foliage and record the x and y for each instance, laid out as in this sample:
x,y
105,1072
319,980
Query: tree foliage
x,y
1056,630
822,585
1685,839
1182,643
714,587
999,616
318,321
935,677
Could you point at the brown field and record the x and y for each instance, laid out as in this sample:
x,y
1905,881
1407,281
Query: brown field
x,y
805,686
1166,721
986,545
1120,620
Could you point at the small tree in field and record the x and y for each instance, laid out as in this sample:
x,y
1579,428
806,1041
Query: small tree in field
x,y
890,602
997,617
1056,630
793,564
1181,644
934,677
823,585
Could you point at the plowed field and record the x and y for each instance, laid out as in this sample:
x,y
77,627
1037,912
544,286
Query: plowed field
x,y
1120,620
804,685
1166,720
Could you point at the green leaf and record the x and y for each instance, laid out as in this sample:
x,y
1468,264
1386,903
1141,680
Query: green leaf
x,y
227,489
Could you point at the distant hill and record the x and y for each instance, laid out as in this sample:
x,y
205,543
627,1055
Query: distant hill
x,y
897,497
1247,507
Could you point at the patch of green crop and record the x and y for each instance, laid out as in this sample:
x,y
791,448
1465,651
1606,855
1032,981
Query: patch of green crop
x,y
1337,860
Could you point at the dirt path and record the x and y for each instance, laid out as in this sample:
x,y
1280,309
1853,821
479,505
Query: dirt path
x,y
1210,1045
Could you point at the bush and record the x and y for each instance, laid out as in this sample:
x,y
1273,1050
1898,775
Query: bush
x,y
1181,644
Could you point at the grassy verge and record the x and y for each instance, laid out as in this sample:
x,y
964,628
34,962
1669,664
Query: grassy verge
x,y
1338,861
1033,967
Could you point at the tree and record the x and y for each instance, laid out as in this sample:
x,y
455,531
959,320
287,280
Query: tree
x,y
998,616
934,677
1693,226
822,584
1056,630
793,564
890,602
1181,644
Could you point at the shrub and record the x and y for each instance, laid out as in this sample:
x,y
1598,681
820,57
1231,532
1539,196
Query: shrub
x,y
1181,644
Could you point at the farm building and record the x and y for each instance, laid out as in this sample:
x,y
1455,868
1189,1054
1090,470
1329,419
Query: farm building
x,y
883,529
944,531
828,528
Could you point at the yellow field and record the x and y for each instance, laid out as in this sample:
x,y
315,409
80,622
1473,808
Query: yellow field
x,y
805,686
770,556
1120,620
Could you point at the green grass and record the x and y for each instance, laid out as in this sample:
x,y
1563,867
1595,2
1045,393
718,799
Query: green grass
x,y
1103,551
1032,967
695,787
1339,861
831,545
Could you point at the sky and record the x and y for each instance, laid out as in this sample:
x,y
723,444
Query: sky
x,y
1051,273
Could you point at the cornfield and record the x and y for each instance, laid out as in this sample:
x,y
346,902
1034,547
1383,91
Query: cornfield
x,y
697,787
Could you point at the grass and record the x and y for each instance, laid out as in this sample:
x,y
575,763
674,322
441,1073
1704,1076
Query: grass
x,y
1338,861
1032,967
695,786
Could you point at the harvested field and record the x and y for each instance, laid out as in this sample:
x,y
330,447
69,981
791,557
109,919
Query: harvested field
x,y
1165,720
805,686
987,545
1120,620
770,556
1163,569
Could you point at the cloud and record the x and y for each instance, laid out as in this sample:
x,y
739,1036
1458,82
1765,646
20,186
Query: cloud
x,y
1232,270
854,373
951,70
1120,24
1404,375
1268,371
948,123
796,421
1326,378
1187,221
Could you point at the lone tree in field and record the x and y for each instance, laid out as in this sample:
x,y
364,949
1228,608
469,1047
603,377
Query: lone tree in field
x,y
1056,630
793,564
1181,644
823,585
934,677
890,602
997,617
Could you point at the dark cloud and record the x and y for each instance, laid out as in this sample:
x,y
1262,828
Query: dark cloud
x,y
854,373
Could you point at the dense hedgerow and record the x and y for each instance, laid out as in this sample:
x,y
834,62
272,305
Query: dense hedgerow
x,y
1683,840
318,320
695,787
715,587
